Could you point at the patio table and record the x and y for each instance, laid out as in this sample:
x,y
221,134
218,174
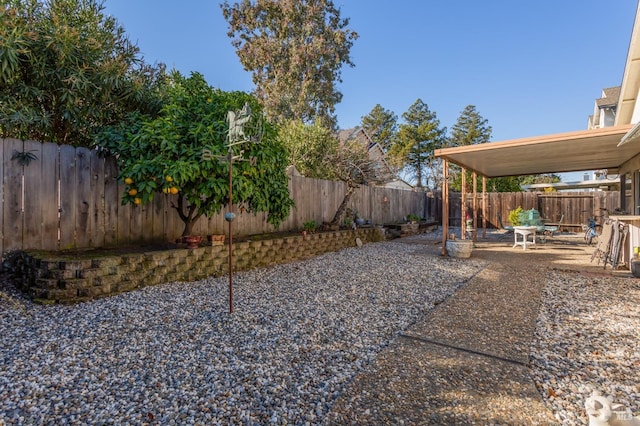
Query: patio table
x,y
525,232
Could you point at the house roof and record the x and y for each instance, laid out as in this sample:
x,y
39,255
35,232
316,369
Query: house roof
x,y
556,153
374,149
610,98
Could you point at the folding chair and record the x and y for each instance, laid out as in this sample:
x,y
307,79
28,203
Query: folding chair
x,y
552,229
509,229
603,247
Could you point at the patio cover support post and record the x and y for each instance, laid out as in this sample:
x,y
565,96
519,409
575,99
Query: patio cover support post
x,y
463,205
445,205
623,192
484,207
475,207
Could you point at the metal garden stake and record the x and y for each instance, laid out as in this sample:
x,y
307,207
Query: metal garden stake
x,y
235,136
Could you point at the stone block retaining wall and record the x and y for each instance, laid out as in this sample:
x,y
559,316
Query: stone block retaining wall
x,y
47,278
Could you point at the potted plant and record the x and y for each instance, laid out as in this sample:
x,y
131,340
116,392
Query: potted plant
x,y
515,216
459,248
413,218
308,227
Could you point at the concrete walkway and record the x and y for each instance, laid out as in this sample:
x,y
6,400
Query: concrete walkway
x,y
466,361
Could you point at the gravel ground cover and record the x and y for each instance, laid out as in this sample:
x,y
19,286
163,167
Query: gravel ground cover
x,y
587,338
172,354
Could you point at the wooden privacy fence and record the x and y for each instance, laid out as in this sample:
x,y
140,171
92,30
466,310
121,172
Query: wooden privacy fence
x,y
70,198
575,206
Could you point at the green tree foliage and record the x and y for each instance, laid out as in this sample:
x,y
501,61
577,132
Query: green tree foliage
x,y
418,137
471,129
351,164
66,70
307,146
501,184
316,152
544,178
294,50
381,125
165,154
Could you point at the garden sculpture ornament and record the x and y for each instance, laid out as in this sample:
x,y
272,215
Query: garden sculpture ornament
x,y
236,122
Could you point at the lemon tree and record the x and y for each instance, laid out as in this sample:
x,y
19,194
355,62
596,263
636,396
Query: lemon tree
x,y
163,155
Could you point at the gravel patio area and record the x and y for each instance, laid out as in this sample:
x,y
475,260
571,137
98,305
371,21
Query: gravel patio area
x,y
306,336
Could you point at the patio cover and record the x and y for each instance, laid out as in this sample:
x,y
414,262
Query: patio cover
x,y
557,153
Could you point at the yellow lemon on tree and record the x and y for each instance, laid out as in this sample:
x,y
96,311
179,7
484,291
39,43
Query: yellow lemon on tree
x,y
137,201
169,179
133,191
173,190
165,190
128,181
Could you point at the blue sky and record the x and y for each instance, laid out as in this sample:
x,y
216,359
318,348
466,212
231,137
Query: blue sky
x,y
530,68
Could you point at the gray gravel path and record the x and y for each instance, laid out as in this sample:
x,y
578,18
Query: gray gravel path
x,y
172,354
390,333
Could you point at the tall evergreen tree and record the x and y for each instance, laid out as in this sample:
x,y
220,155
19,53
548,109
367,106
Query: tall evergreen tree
x,y
381,125
418,137
294,49
470,129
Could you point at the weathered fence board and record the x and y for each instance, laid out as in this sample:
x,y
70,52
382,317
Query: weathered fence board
x,y
68,197
97,207
32,205
83,231
49,188
12,209
158,207
111,202
123,218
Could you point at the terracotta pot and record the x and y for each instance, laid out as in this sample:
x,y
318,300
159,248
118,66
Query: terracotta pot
x,y
192,241
216,240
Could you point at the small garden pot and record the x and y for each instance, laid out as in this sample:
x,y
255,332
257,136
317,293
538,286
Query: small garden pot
x,y
192,241
216,240
459,248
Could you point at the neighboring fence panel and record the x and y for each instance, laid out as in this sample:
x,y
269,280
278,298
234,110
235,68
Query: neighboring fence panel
x,y
575,206
70,198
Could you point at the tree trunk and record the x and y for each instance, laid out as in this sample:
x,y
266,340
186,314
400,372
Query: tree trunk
x,y
337,218
190,218
188,228
419,177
